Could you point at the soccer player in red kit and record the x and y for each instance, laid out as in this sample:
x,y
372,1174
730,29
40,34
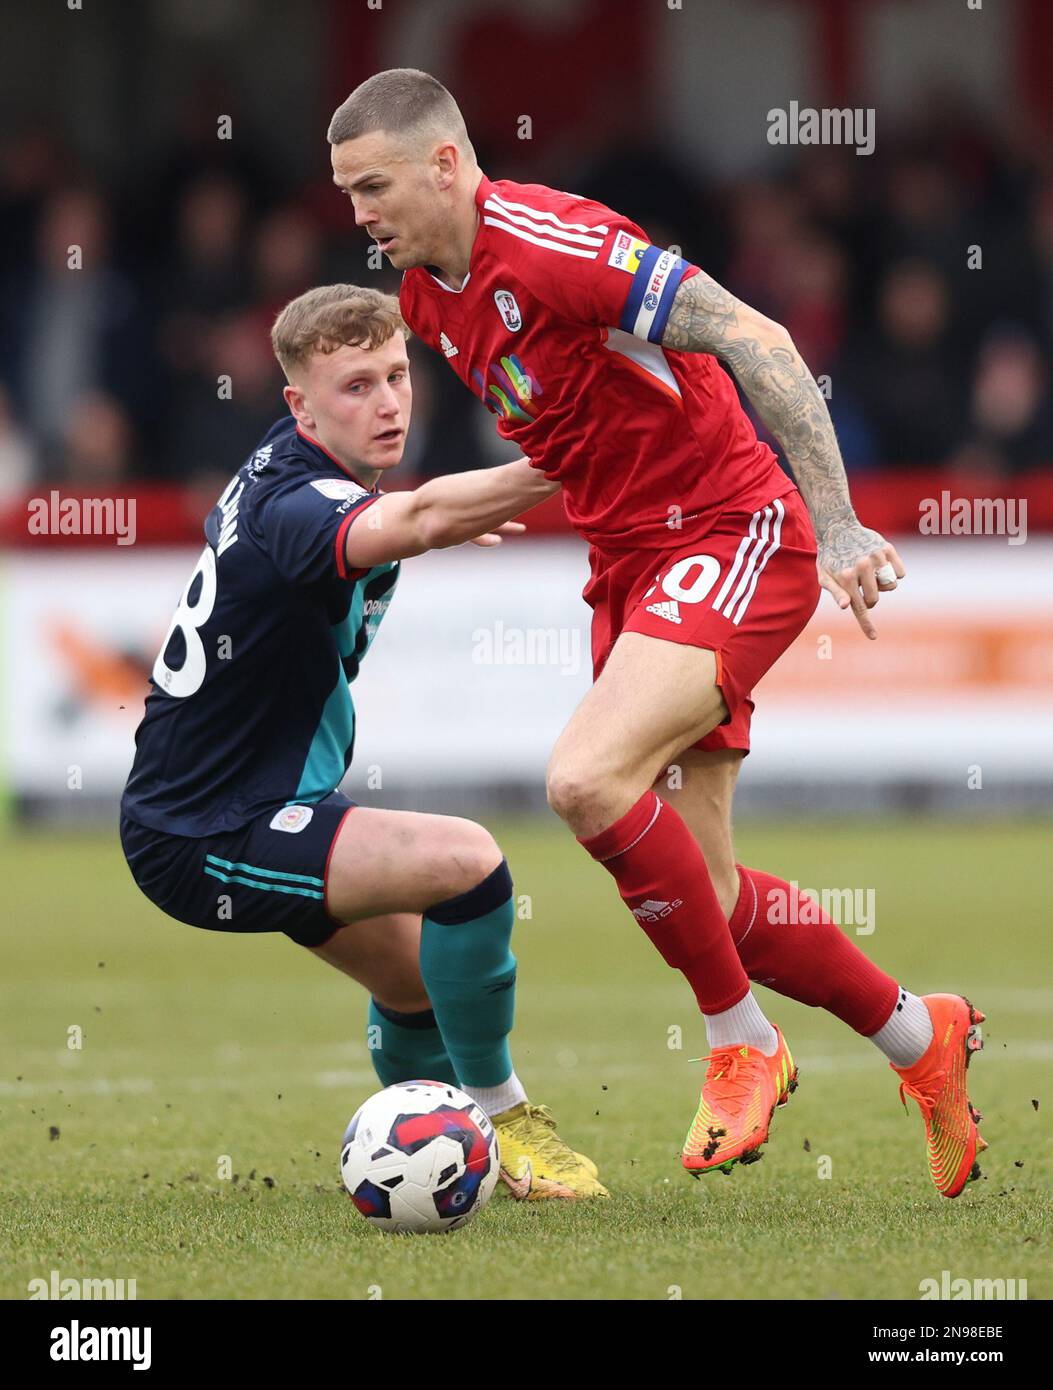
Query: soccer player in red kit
x,y
597,351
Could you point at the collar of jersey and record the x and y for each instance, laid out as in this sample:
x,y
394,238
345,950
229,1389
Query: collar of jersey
x,y
315,444
481,195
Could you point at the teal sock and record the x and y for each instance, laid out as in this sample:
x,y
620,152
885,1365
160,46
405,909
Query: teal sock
x,y
407,1047
469,972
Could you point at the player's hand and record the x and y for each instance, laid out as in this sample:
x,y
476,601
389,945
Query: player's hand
x,y
509,528
856,564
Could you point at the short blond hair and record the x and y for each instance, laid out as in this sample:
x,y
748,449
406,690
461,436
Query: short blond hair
x,y
330,317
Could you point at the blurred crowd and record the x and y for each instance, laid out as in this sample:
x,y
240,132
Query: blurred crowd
x,y
917,283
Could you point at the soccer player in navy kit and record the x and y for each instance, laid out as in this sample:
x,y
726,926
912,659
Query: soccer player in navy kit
x,y
231,818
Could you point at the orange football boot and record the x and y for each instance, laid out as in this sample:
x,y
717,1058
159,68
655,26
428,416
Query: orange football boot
x,y
937,1082
739,1096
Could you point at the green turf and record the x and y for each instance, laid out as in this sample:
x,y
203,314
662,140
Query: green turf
x,y
199,1045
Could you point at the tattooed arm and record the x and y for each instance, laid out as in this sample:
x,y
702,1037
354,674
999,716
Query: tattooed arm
x,y
706,318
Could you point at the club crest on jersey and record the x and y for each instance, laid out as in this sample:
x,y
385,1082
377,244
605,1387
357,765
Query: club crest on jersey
x,y
293,819
509,310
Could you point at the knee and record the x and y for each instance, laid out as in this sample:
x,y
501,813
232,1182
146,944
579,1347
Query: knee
x,y
474,854
574,792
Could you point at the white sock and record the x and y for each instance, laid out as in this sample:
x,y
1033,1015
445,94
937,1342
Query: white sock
x,y
908,1032
744,1022
495,1099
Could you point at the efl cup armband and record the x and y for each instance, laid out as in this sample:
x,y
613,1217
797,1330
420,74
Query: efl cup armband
x,y
656,277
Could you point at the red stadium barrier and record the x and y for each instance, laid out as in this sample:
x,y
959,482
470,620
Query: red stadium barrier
x,y
166,515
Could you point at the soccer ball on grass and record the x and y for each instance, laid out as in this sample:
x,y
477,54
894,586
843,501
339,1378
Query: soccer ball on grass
x,y
420,1156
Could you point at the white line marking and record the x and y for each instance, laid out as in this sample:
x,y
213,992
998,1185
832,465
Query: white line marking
x,y
828,1062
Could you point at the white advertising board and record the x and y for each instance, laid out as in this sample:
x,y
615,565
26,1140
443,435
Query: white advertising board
x,y
485,654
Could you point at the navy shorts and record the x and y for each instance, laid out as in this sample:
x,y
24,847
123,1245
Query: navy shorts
x,y
268,876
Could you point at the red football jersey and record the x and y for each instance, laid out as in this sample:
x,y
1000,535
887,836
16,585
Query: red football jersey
x,y
557,328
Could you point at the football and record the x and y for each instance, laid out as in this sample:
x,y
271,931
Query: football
x,y
419,1157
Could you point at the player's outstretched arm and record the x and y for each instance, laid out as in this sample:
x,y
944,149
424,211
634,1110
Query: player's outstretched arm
x,y
854,561
476,506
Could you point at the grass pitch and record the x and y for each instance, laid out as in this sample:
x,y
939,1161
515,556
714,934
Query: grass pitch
x,y
198,1045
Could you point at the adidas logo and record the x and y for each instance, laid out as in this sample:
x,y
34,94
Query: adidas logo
x,y
448,349
668,608
651,910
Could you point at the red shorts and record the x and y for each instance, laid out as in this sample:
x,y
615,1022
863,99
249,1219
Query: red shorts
x,y
745,590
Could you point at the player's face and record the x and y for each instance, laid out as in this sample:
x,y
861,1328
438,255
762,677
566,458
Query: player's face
x,y
358,401
395,197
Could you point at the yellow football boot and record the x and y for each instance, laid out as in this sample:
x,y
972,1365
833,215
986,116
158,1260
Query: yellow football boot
x,y
536,1163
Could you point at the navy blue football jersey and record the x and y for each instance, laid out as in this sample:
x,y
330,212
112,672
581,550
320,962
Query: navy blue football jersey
x,y
250,707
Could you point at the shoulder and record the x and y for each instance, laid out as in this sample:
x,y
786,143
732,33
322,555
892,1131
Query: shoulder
x,y
550,207
269,467
544,231
287,469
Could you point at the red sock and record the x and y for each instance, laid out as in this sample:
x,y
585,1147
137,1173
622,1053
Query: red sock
x,y
662,877
810,960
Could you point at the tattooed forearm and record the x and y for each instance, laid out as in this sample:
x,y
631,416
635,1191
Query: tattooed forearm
x,y
706,318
